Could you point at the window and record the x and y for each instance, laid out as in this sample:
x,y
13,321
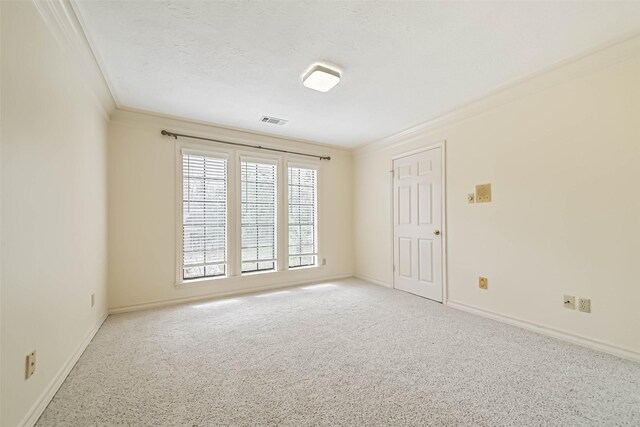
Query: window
x,y
303,230
258,216
204,216
242,214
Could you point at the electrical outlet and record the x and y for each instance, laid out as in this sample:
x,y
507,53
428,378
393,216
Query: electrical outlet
x,y
569,302
584,305
31,364
471,198
483,193
483,283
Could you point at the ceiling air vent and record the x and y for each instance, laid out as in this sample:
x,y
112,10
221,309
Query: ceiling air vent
x,y
273,120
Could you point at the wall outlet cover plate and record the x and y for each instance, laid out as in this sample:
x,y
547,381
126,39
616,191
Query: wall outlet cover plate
x,y
584,305
483,193
483,283
31,364
569,302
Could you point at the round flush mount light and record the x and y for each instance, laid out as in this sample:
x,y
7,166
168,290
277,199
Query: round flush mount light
x,y
321,78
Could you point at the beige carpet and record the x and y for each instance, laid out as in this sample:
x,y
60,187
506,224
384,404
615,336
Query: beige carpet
x,y
343,353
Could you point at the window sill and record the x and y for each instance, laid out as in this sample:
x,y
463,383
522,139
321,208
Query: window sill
x,y
304,267
246,276
202,280
257,273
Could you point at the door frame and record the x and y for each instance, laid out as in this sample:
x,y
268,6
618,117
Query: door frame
x,y
443,154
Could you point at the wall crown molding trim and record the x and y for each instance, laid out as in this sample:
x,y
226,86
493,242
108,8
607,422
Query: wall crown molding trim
x,y
63,22
141,118
529,84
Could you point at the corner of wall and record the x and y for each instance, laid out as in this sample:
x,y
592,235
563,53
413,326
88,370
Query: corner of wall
x,y
553,121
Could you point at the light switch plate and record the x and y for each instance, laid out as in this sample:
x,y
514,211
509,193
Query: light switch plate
x,y
483,193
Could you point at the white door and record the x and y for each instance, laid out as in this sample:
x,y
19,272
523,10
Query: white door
x,y
417,199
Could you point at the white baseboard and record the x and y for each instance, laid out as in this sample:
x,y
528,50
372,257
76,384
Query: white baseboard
x,y
593,344
372,280
246,291
41,404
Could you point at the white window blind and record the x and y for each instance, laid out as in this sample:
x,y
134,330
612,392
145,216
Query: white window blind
x,y
259,207
303,217
204,218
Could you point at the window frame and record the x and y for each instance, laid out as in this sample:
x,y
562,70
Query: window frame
x,y
296,163
249,156
198,150
234,211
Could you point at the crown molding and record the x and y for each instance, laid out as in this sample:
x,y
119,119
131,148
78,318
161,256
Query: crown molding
x,y
61,19
142,118
529,84
65,23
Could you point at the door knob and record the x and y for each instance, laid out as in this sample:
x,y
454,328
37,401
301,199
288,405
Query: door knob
x,y
437,232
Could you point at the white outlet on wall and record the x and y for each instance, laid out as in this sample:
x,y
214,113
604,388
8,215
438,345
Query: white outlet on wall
x,y
584,305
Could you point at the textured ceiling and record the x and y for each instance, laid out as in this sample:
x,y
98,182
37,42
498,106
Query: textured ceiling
x,y
403,63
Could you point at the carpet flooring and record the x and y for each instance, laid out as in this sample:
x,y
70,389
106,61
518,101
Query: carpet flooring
x,y
339,353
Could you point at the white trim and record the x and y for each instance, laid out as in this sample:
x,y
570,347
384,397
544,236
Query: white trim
x,y
43,400
445,235
234,210
210,152
419,150
200,150
95,54
226,132
83,43
591,343
561,72
226,280
282,230
217,295
295,163
313,165
372,280
443,146
276,160
62,19
266,159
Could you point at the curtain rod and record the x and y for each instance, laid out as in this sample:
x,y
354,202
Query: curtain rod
x,y
176,135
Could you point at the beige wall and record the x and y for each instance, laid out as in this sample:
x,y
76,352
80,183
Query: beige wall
x,y
564,165
54,194
142,212
563,161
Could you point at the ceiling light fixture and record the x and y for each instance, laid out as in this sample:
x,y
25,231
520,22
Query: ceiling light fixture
x,y
321,78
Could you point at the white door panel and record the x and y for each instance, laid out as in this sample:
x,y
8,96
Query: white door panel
x,y
424,203
417,193
425,266
404,205
404,249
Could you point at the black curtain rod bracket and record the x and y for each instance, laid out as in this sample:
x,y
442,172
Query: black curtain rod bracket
x,y
259,147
